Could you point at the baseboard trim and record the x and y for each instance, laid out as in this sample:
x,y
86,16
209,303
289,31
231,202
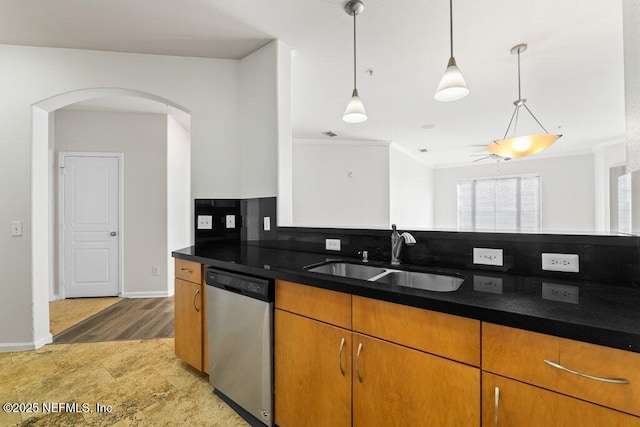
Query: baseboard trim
x,y
25,346
149,294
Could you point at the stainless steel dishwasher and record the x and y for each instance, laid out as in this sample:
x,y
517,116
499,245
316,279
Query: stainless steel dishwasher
x,y
240,325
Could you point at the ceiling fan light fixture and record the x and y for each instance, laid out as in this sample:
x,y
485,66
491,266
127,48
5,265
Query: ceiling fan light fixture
x,y
355,112
524,145
452,85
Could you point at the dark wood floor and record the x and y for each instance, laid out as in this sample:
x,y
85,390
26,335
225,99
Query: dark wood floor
x,y
129,319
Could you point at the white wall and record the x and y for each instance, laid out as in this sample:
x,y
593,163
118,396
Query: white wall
x,y
142,138
568,202
605,157
411,191
325,195
179,207
631,36
258,122
206,87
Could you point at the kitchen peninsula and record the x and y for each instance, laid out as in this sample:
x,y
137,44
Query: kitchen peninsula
x,y
494,349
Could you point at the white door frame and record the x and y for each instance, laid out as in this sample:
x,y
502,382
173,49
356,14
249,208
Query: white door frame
x,y
61,157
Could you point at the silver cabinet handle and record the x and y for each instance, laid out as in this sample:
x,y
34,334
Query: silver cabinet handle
x,y
580,374
358,361
188,270
496,403
113,233
342,343
194,300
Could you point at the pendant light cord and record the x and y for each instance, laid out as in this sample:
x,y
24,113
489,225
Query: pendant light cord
x,y
451,26
354,50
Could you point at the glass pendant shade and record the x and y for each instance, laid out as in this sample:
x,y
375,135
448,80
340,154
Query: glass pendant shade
x,y
452,85
521,146
355,112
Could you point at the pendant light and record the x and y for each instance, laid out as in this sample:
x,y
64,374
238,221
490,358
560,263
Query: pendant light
x,y
355,112
452,85
526,145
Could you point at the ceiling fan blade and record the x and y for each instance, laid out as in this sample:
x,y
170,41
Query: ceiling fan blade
x,y
483,158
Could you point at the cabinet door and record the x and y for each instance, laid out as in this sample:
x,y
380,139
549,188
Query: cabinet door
x,y
521,404
205,331
312,372
399,386
188,322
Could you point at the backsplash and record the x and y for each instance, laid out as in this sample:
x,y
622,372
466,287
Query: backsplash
x,y
606,259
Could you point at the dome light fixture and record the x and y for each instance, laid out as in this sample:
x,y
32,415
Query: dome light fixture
x,y
452,86
526,145
355,112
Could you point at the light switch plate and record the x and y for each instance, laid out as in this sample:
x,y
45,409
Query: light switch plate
x,y
267,223
486,256
16,228
332,244
231,221
205,222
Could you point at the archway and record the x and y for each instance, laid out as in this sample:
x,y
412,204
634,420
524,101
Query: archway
x,y
41,184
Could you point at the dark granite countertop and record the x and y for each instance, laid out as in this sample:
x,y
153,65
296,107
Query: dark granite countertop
x,y
603,314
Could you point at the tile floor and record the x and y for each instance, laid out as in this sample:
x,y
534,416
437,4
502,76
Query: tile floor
x,y
143,382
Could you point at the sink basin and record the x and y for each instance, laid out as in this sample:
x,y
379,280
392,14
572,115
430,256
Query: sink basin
x,y
394,278
345,269
424,281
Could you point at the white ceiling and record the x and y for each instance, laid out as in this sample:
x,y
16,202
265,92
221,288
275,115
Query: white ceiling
x,y
572,73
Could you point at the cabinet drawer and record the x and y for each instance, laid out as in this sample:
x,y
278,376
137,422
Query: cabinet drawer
x,y
521,354
320,304
526,405
446,335
188,270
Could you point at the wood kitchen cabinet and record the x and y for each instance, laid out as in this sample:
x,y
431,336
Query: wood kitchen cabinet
x,y
190,319
328,375
520,404
312,353
313,372
398,386
400,375
536,393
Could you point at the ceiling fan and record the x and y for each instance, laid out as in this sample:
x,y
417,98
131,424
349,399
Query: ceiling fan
x,y
485,155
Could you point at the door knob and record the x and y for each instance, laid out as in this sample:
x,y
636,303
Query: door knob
x,y
113,233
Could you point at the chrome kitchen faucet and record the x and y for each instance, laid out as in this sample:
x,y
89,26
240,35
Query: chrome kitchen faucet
x,y
397,241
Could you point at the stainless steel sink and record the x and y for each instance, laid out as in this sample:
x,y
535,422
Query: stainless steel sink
x,y
394,278
344,269
425,281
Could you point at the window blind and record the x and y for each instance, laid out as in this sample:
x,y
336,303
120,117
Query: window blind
x,y
499,204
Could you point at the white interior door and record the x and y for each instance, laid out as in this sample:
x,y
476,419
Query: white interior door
x,y
90,225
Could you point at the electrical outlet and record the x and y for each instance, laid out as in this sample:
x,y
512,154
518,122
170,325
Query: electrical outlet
x,y
487,284
562,293
205,222
155,271
267,223
231,221
561,262
487,256
332,244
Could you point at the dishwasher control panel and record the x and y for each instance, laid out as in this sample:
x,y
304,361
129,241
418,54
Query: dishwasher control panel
x,y
254,287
